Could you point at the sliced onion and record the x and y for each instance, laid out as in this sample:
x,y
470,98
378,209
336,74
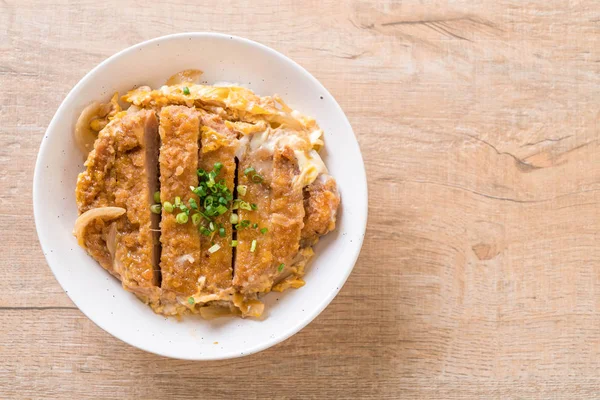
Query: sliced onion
x,y
248,307
105,213
111,240
191,76
84,135
212,312
98,113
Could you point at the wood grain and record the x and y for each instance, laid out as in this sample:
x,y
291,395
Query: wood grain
x,y
479,277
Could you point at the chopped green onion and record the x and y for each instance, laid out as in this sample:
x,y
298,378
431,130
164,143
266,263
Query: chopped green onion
x,y
204,231
221,210
264,230
218,167
157,197
191,300
242,189
257,178
211,226
193,204
255,225
245,206
223,200
155,208
281,267
177,201
249,170
181,218
168,207
234,243
253,246
233,218
254,206
214,248
186,90
196,219
204,215
222,232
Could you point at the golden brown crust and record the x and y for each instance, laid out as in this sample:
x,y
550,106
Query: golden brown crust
x,y
112,178
287,211
321,201
250,275
219,144
180,257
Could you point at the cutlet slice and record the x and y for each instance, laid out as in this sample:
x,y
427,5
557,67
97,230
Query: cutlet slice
x,y
253,255
137,247
287,210
321,201
180,257
218,147
121,171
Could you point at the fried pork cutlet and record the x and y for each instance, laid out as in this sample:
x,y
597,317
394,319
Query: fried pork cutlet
x,y
180,258
121,172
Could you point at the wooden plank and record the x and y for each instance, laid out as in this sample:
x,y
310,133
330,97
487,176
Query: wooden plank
x,y
479,126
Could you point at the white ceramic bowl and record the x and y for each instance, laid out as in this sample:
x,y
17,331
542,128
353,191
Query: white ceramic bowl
x,y
99,296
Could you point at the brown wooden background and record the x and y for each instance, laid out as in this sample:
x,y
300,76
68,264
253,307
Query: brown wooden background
x,y
480,273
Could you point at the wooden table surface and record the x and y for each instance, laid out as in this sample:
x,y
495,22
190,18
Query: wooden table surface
x,y
479,277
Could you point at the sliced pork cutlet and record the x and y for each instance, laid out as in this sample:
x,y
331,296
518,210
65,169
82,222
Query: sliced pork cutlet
x,y
287,213
253,256
95,188
121,172
180,256
321,201
137,246
218,147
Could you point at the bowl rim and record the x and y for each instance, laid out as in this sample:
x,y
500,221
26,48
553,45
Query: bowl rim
x,y
325,301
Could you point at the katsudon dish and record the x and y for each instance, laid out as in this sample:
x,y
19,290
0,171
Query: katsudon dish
x,y
201,199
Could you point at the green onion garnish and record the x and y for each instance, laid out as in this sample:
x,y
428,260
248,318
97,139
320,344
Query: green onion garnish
x,y
264,230
211,226
155,208
249,170
255,225
222,232
221,209
233,218
234,243
181,218
254,206
157,197
177,201
257,178
191,300
204,231
193,204
186,90
244,205
242,189
196,219
281,267
253,246
218,167
168,207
